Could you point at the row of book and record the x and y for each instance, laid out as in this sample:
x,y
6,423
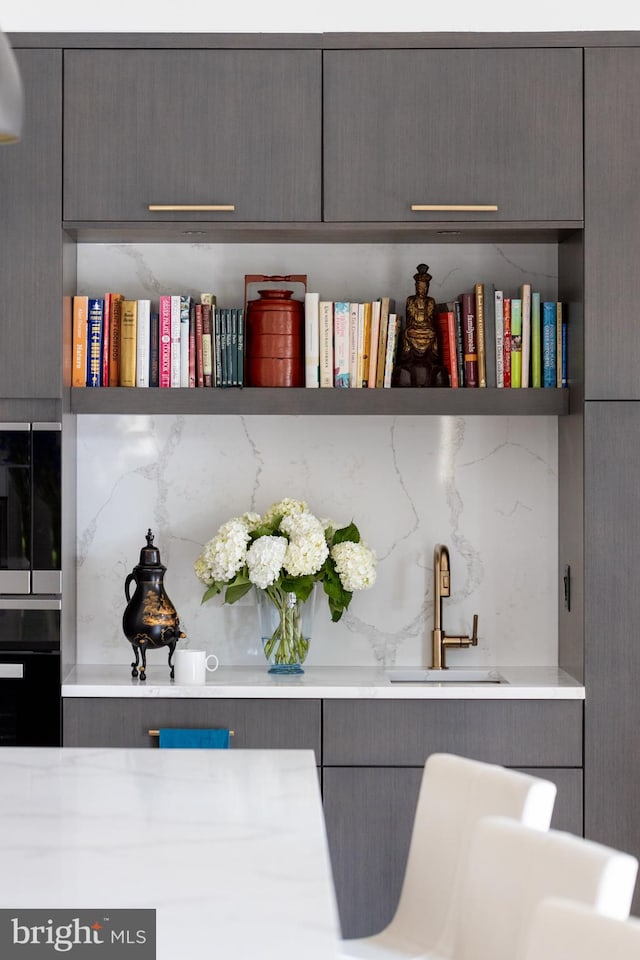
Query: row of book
x,y
489,339
349,344
120,342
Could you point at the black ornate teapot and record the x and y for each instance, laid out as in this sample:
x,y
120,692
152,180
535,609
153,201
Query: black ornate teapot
x,y
150,619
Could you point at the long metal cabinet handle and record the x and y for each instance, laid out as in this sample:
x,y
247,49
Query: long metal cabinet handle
x,y
156,733
454,207
192,207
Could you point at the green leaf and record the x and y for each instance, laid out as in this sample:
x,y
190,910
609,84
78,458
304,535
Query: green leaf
x,y
301,586
237,589
349,534
212,591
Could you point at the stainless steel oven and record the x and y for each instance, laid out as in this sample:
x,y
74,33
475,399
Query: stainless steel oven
x,y
30,702
30,501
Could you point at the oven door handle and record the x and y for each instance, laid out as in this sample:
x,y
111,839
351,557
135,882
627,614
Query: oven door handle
x,y
11,671
30,603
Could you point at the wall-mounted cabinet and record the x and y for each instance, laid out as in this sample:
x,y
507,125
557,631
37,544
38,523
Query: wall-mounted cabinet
x,y
236,129
612,202
490,127
31,238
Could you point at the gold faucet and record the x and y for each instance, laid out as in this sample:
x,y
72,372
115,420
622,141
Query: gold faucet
x,y
442,588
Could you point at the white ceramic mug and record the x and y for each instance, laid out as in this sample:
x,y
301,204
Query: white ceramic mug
x,y
191,665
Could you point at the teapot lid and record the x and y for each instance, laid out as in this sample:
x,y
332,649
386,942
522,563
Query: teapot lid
x,y
150,555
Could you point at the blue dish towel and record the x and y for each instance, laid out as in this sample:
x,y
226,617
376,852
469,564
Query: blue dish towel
x,y
176,739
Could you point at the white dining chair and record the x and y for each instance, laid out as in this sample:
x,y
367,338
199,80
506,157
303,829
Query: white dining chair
x,y
566,930
512,869
455,793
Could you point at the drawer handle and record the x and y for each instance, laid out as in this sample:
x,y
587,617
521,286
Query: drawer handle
x,y
156,733
454,207
192,207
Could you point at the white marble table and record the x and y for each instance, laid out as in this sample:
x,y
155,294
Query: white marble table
x,y
228,847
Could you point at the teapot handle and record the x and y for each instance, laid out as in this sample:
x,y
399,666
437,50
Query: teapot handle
x,y
126,585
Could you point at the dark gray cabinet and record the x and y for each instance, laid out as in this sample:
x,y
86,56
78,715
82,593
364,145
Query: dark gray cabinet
x,y
238,128
612,615
369,814
257,724
373,755
612,212
456,126
31,238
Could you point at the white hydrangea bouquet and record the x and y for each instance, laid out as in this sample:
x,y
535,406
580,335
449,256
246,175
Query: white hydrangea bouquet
x,y
284,554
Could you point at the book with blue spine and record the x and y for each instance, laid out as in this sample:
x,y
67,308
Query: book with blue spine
x,y
549,373
95,314
516,342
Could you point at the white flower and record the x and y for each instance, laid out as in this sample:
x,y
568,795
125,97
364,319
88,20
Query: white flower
x,y
203,572
355,565
284,508
307,548
224,555
264,560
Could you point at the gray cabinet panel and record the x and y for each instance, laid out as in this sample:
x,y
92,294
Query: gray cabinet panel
x,y
612,214
453,127
31,237
257,724
612,615
192,127
404,732
369,814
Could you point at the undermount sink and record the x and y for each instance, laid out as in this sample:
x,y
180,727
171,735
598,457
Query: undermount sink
x,y
450,675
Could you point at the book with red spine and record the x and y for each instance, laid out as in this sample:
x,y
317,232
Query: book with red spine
x,y
115,322
164,346
468,301
506,340
447,341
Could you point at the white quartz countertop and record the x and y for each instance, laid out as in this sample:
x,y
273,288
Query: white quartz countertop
x,y
518,683
228,847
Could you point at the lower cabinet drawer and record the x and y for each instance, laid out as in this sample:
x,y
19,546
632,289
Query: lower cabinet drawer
x,y
257,724
514,733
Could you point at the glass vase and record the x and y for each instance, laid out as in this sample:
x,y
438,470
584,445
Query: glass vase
x,y
285,628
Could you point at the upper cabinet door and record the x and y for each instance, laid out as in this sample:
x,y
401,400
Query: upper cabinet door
x,y
31,238
612,223
490,127
239,129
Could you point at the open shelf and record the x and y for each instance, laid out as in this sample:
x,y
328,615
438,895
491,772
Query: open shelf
x,y
299,401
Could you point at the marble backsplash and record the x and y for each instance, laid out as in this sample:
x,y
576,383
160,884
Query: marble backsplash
x,y
485,486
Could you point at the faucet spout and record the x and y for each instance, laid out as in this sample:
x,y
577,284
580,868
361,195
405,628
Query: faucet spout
x,y
442,588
